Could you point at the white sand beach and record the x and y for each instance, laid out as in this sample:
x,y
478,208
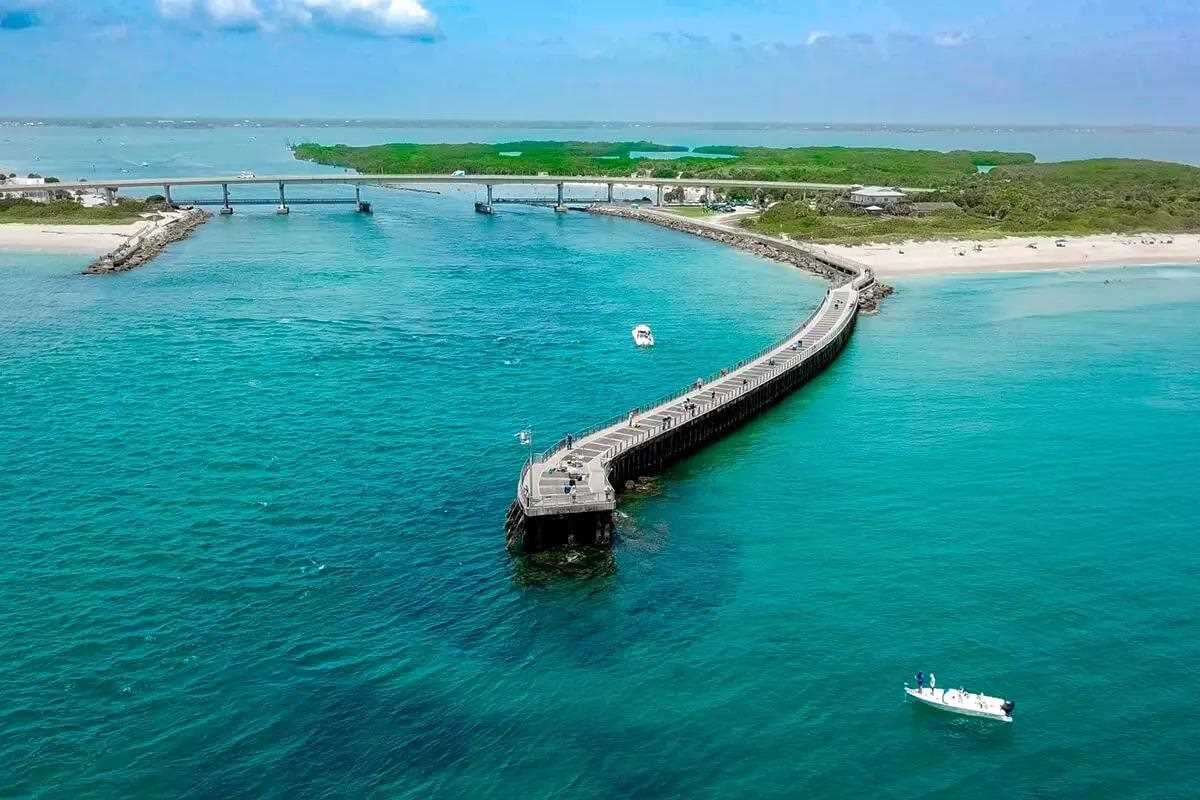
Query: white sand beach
x,y
85,239
1013,254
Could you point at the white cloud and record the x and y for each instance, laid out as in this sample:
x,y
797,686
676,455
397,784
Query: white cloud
x,y
817,36
951,39
223,13
375,17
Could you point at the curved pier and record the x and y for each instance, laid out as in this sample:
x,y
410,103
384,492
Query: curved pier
x,y
567,495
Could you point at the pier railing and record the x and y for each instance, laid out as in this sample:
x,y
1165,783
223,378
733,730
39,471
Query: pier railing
x,y
678,393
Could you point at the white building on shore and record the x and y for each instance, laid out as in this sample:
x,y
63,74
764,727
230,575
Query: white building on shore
x,y
39,197
882,196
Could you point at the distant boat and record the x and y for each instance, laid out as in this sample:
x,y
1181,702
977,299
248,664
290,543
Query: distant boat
x,y
246,174
959,701
642,336
144,164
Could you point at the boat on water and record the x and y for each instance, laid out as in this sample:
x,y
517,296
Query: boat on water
x,y
246,174
642,336
960,701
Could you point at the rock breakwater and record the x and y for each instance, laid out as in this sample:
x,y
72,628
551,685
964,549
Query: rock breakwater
x,y
835,269
143,246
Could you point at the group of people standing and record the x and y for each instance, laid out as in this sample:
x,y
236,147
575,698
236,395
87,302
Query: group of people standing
x,y
921,681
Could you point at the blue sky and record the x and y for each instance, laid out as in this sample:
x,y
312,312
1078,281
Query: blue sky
x,y
933,61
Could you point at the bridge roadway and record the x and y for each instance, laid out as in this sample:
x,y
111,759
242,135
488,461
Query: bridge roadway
x,y
469,180
574,479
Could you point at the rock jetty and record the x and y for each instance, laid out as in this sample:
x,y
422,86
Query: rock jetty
x,y
143,246
835,269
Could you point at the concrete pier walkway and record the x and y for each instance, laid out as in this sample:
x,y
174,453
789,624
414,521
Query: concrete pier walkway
x,y
567,495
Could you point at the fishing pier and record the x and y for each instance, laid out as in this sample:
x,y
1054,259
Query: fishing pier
x,y
567,494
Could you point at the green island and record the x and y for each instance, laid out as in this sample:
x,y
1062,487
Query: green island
x,y
72,212
970,194
811,164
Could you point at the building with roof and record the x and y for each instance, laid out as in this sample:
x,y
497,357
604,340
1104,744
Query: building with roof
x,y
882,196
39,197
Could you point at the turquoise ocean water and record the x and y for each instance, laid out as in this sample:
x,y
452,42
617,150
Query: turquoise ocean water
x,y
252,499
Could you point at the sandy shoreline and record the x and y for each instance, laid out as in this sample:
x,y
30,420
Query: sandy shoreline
x,y
91,240
1013,254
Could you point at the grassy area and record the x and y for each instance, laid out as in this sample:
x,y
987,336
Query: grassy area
x,y
864,165
69,212
800,223
924,168
1074,197
696,212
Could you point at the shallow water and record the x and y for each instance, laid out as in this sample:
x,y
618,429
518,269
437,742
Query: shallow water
x,y
253,497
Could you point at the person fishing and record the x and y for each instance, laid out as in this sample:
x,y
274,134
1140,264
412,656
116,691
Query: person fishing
x,y
920,681
932,681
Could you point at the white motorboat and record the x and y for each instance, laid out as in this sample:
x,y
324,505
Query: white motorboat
x,y
961,701
642,336
246,174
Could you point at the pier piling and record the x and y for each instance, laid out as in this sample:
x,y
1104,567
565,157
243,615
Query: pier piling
x,y
227,209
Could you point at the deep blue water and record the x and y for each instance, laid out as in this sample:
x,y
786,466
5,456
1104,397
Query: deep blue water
x,y
253,497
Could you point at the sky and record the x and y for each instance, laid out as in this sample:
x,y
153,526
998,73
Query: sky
x,y
1095,62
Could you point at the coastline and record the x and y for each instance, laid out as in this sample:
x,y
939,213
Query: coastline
x,y
1013,254
115,248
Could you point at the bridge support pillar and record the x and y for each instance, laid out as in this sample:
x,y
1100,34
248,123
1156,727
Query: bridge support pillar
x,y
110,195
363,206
167,194
485,207
658,195
610,193
283,206
559,205
227,209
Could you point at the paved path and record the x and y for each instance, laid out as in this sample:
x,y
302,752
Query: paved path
x,y
586,461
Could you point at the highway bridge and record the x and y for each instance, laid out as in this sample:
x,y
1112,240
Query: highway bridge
x,y
357,180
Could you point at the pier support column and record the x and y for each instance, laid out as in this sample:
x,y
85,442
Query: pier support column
x,y
658,196
489,198
110,195
362,206
283,207
610,193
227,209
167,194
559,205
